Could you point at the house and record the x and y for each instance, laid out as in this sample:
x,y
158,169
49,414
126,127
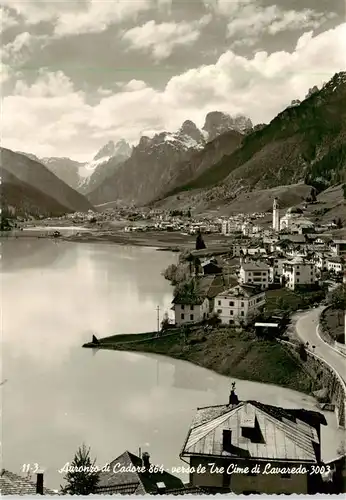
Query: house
x,y
335,264
255,273
239,304
211,266
275,262
191,303
13,484
239,443
335,481
190,308
298,272
130,474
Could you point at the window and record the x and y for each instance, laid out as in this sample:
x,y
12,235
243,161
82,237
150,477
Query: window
x,y
219,302
231,321
231,312
241,313
182,307
227,440
219,311
191,317
297,280
298,273
231,303
182,316
191,308
242,304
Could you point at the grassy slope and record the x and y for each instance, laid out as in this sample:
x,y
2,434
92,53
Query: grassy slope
x,y
227,352
27,200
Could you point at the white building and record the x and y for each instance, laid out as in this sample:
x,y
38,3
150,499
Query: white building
x,y
247,228
239,304
190,311
276,215
299,272
254,273
229,226
335,264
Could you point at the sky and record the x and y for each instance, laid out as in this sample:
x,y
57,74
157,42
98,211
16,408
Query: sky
x,y
78,73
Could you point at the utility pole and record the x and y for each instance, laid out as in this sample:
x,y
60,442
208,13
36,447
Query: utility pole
x,y
158,319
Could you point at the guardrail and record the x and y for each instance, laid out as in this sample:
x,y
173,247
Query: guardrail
x,y
326,337
341,412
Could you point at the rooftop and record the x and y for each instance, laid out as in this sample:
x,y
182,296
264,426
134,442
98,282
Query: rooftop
x,y
245,291
13,484
136,482
255,266
278,433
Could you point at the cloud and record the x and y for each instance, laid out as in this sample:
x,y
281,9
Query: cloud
x,y
248,20
161,39
52,117
74,17
135,85
35,11
253,21
99,15
17,49
6,20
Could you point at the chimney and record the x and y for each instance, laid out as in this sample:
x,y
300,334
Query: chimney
x,y
146,460
233,398
161,488
39,483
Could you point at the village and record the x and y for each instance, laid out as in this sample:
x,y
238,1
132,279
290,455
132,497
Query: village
x,y
249,282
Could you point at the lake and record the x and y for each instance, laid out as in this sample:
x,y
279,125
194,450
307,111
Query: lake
x,y
56,395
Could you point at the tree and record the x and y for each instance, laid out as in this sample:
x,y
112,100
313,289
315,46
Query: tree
x,y
337,299
338,223
200,245
6,224
165,324
84,474
302,352
197,265
344,191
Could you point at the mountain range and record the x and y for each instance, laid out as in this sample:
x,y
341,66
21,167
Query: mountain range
x,y
155,162
30,188
211,166
305,143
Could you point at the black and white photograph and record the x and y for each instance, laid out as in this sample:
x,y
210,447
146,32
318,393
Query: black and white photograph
x,y
173,247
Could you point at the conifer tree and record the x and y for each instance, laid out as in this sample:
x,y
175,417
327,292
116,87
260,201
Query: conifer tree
x,y
83,477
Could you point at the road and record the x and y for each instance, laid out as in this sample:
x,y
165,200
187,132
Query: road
x,y
306,325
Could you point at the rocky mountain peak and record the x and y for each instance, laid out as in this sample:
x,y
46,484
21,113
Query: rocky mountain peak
x,y
121,148
190,129
217,122
106,150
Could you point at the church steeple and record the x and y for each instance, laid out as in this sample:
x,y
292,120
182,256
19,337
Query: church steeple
x,y
276,215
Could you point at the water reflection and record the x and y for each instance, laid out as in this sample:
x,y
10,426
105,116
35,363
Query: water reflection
x,y
29,253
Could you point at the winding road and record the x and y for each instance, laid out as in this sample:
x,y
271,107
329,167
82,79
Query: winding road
x,y
306,328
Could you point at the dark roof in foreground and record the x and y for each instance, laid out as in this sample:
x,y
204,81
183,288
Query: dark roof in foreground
x,y
13,484
135,482
285,434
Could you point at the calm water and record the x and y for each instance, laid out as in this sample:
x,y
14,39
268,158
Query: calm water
x,y
57,395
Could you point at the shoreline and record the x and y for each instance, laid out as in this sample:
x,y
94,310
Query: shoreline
x,y
162,240
227,352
